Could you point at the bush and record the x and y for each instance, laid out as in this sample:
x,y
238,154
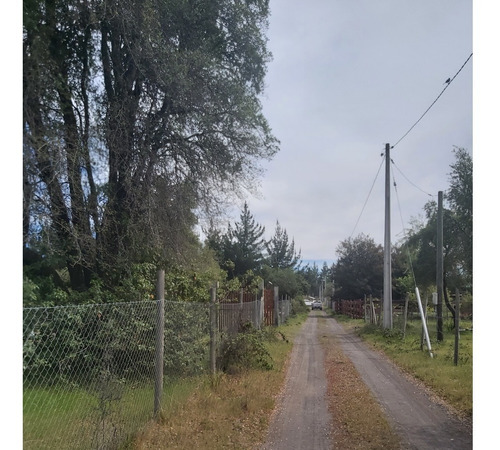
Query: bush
x,y
298,307
246,350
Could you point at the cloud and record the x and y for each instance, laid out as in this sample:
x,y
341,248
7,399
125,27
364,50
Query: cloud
x,y
346,78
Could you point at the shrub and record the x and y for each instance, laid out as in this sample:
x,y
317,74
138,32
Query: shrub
x,y
245,350
298,307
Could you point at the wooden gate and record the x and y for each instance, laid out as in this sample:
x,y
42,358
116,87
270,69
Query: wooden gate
x,y
268,307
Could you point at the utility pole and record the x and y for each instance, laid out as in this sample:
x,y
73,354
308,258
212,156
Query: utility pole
x,y
439,268
387,321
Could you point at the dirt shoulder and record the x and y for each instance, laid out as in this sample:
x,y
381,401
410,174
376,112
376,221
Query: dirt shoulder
x,y
420,421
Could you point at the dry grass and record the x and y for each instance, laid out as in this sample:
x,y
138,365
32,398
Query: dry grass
x,y
224,414
359,422
225,411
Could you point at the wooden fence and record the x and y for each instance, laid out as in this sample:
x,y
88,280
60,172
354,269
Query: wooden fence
x,y
352,308
236,309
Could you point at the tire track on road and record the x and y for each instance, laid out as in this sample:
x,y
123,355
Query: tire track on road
x,y
301,419
420,421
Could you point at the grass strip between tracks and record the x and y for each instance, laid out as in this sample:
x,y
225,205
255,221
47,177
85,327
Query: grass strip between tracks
x,y
359,422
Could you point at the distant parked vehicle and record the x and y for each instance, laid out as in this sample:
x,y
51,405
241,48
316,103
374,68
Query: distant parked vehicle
x,y
317,305
308,302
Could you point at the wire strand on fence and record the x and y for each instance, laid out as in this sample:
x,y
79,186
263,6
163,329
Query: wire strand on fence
x,y
89,370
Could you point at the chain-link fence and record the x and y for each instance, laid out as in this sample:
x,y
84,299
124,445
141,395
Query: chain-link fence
x,y
89,371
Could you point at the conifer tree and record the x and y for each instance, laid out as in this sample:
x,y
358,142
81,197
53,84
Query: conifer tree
x,y
281,253
246,243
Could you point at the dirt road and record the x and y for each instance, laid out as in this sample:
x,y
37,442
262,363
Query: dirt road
x,y
302,420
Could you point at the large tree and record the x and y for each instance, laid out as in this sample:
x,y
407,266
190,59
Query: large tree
x,y
459,197
312,276
135,113
359,269
241,248
421,239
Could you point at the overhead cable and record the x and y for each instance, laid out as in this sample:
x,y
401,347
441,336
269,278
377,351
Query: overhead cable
x,y
366,201
447,84
409,181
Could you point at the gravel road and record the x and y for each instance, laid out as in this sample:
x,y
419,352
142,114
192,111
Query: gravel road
x,y
302,419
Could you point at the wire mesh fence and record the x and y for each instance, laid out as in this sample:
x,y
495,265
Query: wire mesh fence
x,y
233,315
83,367
89,370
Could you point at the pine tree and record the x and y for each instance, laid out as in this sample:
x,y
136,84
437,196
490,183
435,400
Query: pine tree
x,y
281,254
247,243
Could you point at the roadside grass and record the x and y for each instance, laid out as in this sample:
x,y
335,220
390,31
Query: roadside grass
x,y
359,422
226,411
451,383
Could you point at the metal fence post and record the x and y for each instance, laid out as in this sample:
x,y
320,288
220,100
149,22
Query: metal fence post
x,y
213,328
159,340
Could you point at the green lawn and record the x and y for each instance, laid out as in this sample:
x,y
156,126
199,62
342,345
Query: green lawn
x,y
74,418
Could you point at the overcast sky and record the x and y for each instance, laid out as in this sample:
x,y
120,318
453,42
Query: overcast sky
x,y
347,77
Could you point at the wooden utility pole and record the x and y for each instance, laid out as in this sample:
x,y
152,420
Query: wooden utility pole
x,y
387,320
439,268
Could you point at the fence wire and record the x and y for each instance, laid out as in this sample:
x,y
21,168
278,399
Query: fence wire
x,y
89,370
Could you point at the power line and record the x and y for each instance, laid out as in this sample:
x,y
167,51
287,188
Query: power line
x,y
447,84
409,181
366,201
404,232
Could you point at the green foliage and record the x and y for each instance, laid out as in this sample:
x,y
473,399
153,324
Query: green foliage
x,y
299,307
187,285
240,249
290,283
76,344
280,253
457,232
245,350
187,331
135,115
311,278
359,269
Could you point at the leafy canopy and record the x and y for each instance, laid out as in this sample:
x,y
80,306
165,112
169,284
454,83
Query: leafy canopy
x,y
359,268
136,115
